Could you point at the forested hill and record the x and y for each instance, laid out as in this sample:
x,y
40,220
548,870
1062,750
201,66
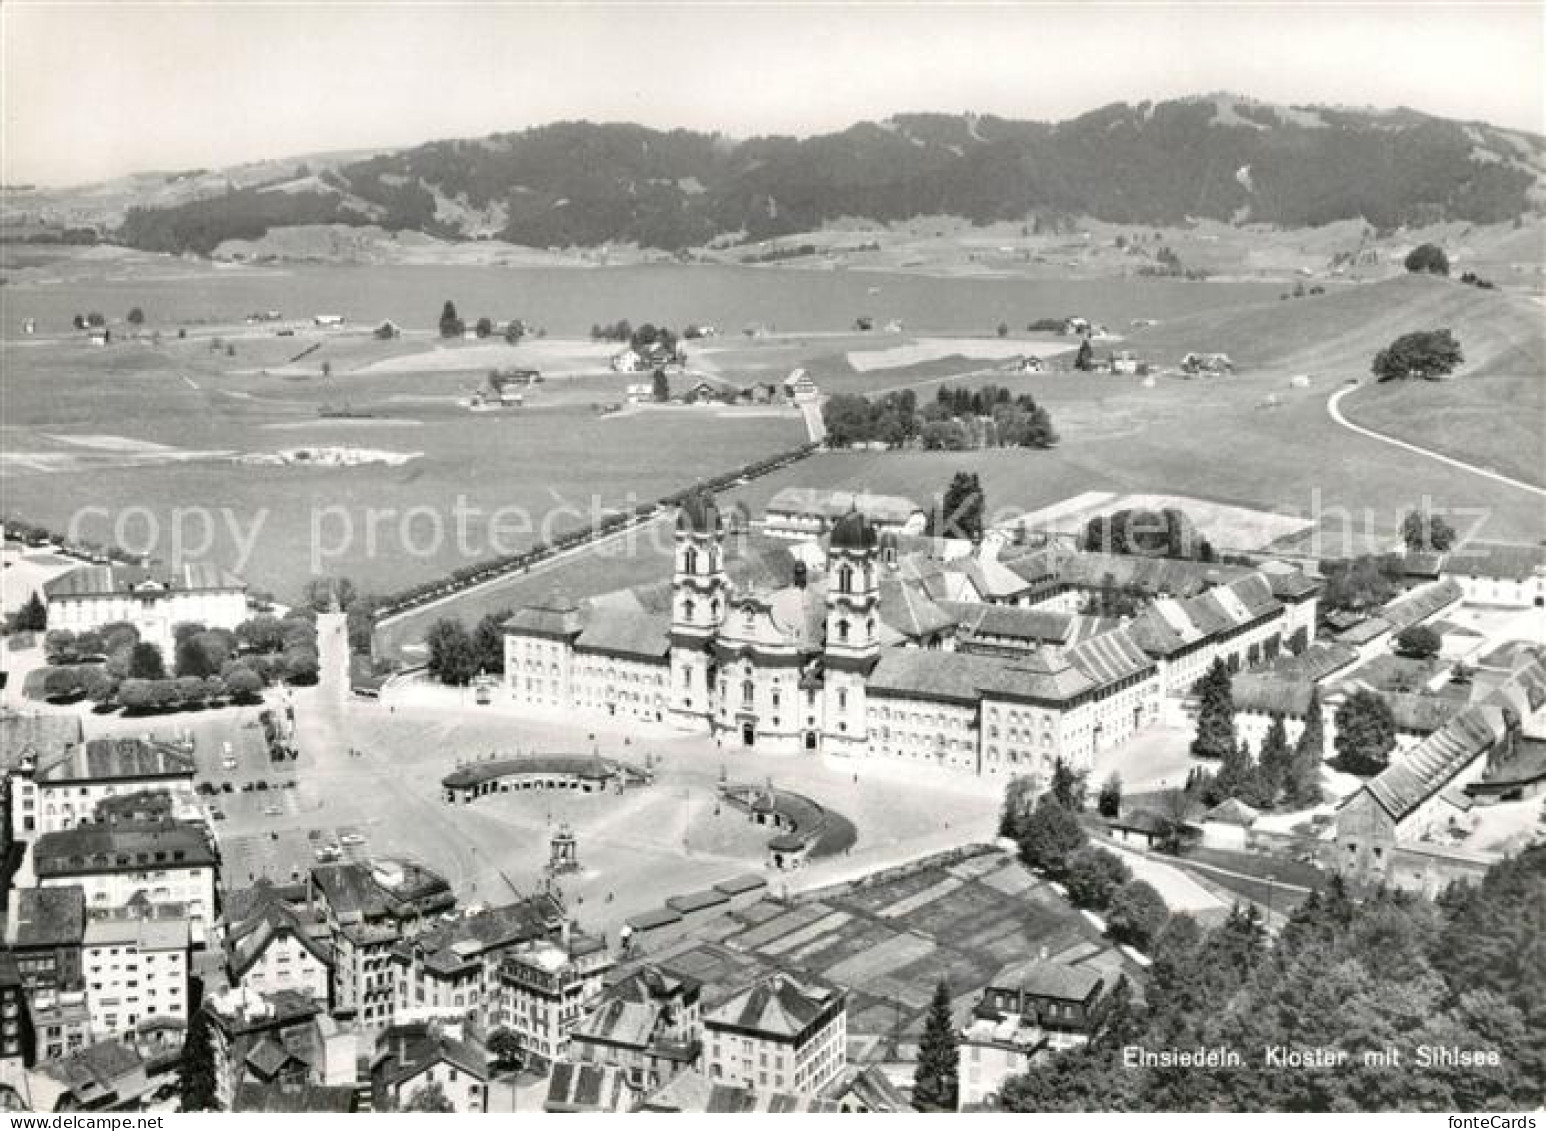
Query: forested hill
x,y
582,184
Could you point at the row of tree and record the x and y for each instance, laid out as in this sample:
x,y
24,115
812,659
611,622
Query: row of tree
x,y
452,325
456,656
957,419
1166,533
1282,774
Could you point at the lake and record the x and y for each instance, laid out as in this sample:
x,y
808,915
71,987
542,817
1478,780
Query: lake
x,y
569,300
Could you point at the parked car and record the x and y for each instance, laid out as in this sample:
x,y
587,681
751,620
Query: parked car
x,y
217,815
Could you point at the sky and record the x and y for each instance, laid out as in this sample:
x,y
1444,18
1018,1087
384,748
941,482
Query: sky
x,y
91,91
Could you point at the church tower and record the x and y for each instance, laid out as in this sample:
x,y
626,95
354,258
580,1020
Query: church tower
x,y
853,633
698,599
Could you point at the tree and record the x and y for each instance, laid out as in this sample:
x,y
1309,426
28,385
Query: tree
x,y
145,662
61,683
1109,803
1019,803
1427,259
1366,733
260,634
1424,354
1003,329
1094,874
1050,838
1274,763
488,643
515,330
302,665
660,387
484,327
452,658
197,655
1084,360
137,695
136,316
1236,776
1177,807
960,512
1137,914
32,616
1426,533
1215,714
1068,786
936,1080
506,1053
196,1068
244,684
430,1097
450,325
97,685
1419,642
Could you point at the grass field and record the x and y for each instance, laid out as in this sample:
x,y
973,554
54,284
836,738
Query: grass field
x,y
143,433
1492,420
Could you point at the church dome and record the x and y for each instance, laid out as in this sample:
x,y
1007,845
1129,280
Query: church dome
x,y
853,532
698,515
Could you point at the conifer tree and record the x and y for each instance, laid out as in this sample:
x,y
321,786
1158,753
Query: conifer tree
x,y
1215,714
196,1069
937,1078
1304,777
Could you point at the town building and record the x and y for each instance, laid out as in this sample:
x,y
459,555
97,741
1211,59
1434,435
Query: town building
x,y
44,930
411,1059
16,1044
589,1089
695,1092
649,1024
154,601
134,861
136,973
272,949
451,968
1029,1009
279,1041
780,1034
546,986
1496,573
61,789
369,908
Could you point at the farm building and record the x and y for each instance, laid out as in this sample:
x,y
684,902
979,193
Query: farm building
x,y
810,513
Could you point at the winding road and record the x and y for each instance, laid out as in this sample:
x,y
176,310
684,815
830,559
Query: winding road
x,y
1334,407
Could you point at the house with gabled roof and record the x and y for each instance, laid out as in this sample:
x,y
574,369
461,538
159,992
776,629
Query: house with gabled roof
x,y
780,1034
649,1024
63,788
271,949
412,1058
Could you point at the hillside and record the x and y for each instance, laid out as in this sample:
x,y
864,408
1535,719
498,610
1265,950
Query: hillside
x,y
1338,333
583,184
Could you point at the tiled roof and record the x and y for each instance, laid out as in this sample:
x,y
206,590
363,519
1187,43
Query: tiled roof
x,y
1154,576
113,759
1041,978
1232,812
1316,662
777,1006
445,946
47,917
586,1087
644,636
88,849
907,607
1038,625
1422,714
255,1096
1109,658
813,502
109,580
1421,604
352,889
1142,821
41,736
94,1074
1500,560
246,941
555,615
692,1091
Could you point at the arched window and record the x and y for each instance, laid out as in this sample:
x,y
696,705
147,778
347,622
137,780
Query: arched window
x,y
690,560
714,608
842,631
689,610
845,579
748,692
869,627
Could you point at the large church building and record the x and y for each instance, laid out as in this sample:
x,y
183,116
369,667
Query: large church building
x,y
852,649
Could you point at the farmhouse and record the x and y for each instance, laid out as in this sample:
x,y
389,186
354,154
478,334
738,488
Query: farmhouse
x,y
414,1057
1492,573
154,602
